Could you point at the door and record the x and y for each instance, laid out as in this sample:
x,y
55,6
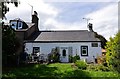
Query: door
x,y
64,55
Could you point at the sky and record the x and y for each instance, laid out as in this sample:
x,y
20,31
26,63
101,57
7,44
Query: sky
x,y
69,14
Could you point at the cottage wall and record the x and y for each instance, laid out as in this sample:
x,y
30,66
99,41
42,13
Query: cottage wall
x,y
45,48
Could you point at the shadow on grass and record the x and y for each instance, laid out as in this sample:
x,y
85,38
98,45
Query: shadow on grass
x,y
31,71
42,71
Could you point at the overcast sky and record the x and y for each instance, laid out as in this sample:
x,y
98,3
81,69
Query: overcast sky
x,y
69,14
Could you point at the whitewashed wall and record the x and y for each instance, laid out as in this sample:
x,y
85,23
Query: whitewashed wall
x,y
45,48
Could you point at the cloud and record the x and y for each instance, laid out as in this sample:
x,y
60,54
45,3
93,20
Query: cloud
x,y
53,24
81,0
105,20
24,9
42,7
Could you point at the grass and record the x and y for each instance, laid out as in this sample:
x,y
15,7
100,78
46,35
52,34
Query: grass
x,y
54,70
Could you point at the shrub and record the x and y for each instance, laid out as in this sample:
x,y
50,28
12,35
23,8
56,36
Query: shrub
x,y
113,52
81,64
102,68
98,67
75,58
54,56
101,60
70,59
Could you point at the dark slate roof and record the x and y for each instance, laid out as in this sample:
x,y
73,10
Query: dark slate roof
x,y
70,35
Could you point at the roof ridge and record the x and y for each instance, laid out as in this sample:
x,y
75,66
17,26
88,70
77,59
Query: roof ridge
x,y
63,30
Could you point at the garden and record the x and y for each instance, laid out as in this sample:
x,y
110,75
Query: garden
x,y
109,67
59,70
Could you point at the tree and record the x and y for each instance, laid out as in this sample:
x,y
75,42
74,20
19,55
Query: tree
x,y
10,45
113,52
5,8
102,39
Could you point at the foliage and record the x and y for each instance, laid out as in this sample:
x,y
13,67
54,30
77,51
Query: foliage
x,y
101,60
113,52
97,67
54,56
74,59
81,64
55,70
102,39
10,41
5,9
70,59
10,44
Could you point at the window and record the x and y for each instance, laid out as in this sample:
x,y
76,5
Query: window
x,y
13,24
84,50
64,52
19,25
94,44
36,50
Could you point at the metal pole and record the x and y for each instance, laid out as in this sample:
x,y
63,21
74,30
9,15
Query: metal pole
x,y
31,9
87,19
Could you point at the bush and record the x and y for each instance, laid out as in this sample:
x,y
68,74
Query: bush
x,y
98,67
70,59
113,52
74,59
81,64
101,60
101,68
54,56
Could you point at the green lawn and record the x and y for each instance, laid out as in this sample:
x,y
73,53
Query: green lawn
x,y
55,70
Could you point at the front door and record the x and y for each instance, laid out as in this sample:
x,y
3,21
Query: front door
x,y
64,55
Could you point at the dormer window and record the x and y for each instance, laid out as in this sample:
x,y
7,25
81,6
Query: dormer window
x,y
14,24
20,25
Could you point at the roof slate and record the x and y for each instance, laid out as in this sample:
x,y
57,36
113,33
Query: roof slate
x,y
70,35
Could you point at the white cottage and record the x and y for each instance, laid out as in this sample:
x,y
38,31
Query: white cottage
x,y
71,42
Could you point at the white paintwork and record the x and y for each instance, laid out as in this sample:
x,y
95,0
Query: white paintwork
x,y
45,48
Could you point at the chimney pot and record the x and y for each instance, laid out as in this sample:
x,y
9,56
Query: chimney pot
x,y
35,20
90,25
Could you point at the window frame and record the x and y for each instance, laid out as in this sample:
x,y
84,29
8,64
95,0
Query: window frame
x,y
20,25
13,24
84,49
34,50
94,44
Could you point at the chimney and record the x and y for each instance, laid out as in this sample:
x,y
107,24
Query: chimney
x,y
35,20
90,26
